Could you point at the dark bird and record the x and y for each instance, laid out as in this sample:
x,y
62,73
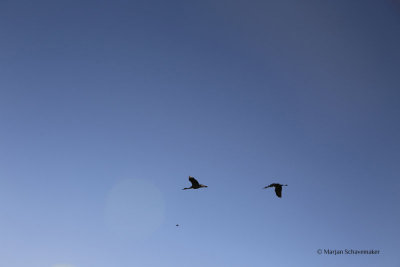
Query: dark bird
x,y
177,225
195,184
278,188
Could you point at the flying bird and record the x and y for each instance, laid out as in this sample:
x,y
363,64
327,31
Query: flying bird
x,y
278,188
177,225
195,184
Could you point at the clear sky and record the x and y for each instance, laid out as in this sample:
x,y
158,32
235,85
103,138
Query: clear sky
x,y
106,108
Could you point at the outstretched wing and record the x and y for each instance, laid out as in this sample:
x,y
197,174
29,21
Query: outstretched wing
x,y
278,191
194,182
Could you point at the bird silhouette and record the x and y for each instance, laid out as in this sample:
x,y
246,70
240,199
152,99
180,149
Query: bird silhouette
x,y
177,225
278,188
195,184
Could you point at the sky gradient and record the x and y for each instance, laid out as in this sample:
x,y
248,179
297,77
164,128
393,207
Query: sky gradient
x,y
106,108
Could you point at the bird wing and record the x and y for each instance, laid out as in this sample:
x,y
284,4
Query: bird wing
x,y
278,191
194,182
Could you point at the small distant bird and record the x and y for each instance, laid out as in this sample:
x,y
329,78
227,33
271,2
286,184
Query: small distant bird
x,y
278,188
177,225
195,184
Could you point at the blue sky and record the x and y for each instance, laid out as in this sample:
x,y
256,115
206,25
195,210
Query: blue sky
x,y
106,108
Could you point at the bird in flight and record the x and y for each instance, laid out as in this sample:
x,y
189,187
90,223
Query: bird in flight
x,y
195,184
177,225
278,188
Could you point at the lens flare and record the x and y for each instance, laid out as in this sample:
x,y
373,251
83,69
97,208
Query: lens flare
x,y
134,208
